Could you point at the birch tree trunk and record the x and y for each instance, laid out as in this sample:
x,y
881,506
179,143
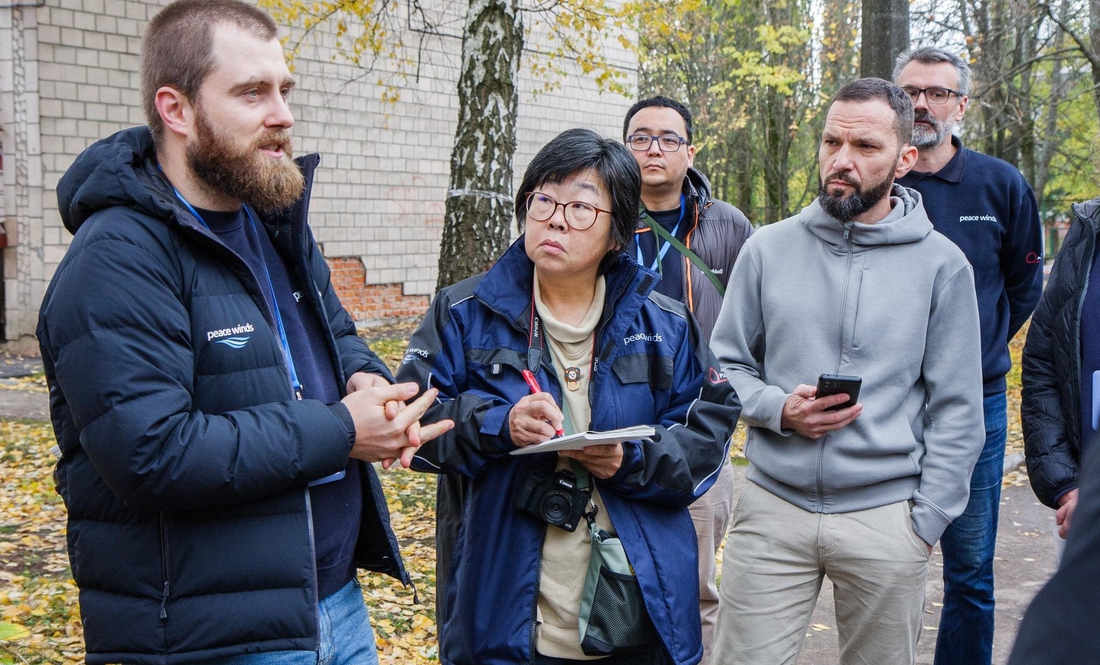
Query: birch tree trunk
x,y
479,203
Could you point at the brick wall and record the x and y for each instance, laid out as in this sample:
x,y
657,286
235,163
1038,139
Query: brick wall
x,y
371,301
69,76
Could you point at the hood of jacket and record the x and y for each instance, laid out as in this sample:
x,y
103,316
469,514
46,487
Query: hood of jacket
x,y
1089,212
697,187
907,222
122,170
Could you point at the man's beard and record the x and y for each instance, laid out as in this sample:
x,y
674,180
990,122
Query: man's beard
x,y
268,185
847,208
929,137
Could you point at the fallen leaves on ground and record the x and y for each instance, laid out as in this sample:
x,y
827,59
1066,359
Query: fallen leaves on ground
x,y
39,619
39,616
35,383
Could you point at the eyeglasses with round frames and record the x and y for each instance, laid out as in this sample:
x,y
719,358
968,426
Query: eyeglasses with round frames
x,y
935,95
642,142
580,216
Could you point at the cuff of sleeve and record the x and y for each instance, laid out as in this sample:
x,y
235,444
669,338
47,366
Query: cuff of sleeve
x,y
928,523
1062,492
632,455
495,426
341,412
771,403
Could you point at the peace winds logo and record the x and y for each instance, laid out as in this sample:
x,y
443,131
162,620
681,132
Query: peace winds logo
x,y
234,342
231,336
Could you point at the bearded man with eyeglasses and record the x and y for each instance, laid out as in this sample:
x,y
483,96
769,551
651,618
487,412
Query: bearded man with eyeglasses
x,y
986,207
695,269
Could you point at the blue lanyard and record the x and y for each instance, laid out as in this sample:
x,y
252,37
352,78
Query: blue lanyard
x,y
295,385
662,250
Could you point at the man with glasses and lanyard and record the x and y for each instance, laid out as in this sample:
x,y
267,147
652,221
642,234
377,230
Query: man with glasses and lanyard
x,y
986,207
692,240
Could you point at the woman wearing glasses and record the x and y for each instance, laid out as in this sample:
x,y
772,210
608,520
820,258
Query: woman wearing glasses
x,y
566,307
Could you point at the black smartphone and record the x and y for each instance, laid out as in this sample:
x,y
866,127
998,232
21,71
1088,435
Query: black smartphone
x,y
835,384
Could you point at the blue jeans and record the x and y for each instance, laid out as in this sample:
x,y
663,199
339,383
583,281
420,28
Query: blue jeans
x,y
965,636
346,636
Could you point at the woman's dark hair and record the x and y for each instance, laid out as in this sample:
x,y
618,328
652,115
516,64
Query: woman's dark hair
x,y
576,150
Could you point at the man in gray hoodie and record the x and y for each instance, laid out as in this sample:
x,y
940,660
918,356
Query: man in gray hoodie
x,y
860,284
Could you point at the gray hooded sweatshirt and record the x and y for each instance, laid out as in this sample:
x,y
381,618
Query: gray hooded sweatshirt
x,y
891,302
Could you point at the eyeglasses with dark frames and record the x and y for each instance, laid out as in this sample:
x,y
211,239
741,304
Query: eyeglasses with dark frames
x,y
667,142
580,216
935,95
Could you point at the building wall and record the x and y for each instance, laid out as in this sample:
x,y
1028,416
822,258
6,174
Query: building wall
x,y
69,76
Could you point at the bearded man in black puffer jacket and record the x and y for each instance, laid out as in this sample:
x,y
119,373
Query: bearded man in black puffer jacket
x,y
215,410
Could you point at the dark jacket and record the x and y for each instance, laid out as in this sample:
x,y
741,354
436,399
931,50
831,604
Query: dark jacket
x,y
653,367
1051,406
1059,626
185,461
717,233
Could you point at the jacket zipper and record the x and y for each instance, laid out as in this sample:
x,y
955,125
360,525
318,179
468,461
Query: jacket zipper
x,y
688,282
597,346
844,299
164,568
840,356
313,564
1089,260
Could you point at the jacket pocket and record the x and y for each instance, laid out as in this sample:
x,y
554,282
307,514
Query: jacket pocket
x,y
495,360
646,368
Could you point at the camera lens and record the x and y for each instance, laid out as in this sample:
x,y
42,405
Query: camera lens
x,y
556,506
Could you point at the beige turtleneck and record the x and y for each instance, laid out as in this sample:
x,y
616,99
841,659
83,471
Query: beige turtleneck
x,y
565,555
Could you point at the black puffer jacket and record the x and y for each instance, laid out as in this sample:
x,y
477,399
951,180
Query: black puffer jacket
x,y
1051,407
185,461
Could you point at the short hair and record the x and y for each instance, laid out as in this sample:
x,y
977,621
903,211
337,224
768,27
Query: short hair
x,y
867,89
931,55
576,150
178,48
663,102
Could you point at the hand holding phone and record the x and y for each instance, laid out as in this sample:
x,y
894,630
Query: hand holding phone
x,y
805,414
836,384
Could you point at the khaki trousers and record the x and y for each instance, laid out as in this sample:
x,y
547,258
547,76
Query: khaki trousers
x,y
775,560
711,515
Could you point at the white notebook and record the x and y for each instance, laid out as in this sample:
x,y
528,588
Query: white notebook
x,y
579,441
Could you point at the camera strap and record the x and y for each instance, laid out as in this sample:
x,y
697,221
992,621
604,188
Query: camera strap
x,y
536,344
584,479
584,484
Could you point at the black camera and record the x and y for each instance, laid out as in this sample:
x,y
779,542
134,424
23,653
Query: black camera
x,y
554,499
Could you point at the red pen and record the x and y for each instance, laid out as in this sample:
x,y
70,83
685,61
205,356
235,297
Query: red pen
x,y
533,384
